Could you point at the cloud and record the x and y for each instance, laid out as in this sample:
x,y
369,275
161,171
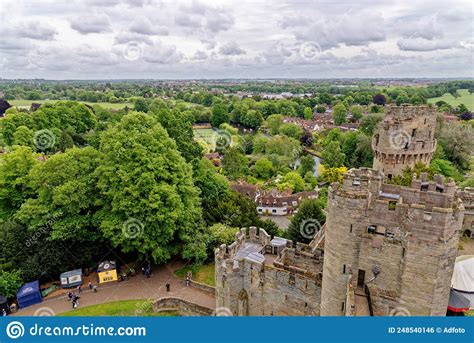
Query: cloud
x,y
231,49
421,44
36,30
162,54
86,23
219,22
187,20
145,27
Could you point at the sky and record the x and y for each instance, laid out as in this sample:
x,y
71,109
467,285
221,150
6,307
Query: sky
x,y
161,39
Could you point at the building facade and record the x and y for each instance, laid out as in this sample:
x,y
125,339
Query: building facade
x,y
384,250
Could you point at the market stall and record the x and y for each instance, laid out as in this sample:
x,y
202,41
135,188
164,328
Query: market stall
x,y
72,278
29,294
107,271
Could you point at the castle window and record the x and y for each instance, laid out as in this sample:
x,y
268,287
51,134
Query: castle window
x,y
342,307
343,269
413,132
389,234
424,186
274,211
350,230
392,205
305,304
425,121
439,188
429,134
403,252
422,145
372,229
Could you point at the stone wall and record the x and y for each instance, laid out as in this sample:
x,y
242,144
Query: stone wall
x,y
403,138
182,307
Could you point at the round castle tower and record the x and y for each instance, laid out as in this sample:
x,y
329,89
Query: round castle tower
x,y
403,138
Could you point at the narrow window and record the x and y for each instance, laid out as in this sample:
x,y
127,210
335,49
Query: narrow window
x,y
342,307
403,252
350,230
344,269
413,132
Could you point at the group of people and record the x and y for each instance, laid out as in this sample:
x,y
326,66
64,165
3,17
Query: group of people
x,y
74,298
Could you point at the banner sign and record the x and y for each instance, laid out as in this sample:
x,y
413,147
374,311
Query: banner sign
x,y
237,329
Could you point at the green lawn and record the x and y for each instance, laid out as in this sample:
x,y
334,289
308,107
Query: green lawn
x,y
109,105
465,98
118,308
203,274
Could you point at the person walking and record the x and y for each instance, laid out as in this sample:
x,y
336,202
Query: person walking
x,y
90,285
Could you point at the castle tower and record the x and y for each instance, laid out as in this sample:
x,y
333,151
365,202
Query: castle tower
x,y
395,246
403,138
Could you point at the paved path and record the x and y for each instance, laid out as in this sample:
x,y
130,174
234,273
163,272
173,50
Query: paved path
x,y
136,288
361,303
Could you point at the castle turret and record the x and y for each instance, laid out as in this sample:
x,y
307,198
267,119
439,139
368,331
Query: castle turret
x,y
403,138
395,246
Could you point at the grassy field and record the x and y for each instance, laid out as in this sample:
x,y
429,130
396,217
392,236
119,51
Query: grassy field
x,y
118,308
205,137
466,98
203,274
109,105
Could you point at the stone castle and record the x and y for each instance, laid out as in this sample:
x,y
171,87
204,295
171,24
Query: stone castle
x,y
384,249
403,138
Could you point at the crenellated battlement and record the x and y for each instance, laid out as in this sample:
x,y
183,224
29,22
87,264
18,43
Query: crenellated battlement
x,y
404,137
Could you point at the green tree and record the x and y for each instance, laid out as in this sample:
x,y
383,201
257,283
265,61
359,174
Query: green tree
x,y
219,114
292,181
457,141
274,122
23,136
150,204
339,114
10,282
291,130
264,168
307,222
140,105
333,156
65,196
369,122
356,112
307,165
308,113
235,163
14,182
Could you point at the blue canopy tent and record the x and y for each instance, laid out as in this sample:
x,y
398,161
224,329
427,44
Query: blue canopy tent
x,y
29,294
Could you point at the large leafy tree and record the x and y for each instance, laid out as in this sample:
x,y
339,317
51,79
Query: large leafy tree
x,y
65,196
307,222
151,205
14,186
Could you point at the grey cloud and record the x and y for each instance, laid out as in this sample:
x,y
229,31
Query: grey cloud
x,y
162,54
200,55
35,30
127,37
188,20
219,22
231,49
145,27
420,44
95,23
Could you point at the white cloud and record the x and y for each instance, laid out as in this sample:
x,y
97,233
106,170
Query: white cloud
x,y
206,38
